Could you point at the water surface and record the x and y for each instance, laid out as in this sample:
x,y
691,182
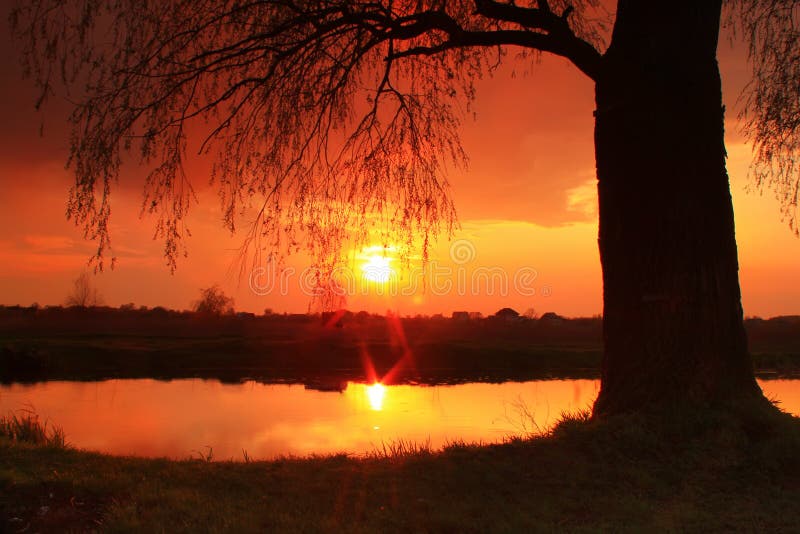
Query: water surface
x,y
184,418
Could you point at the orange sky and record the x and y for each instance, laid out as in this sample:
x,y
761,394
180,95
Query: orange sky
x,y
527,205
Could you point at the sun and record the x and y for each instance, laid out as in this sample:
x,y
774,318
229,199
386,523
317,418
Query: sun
x,y
377,268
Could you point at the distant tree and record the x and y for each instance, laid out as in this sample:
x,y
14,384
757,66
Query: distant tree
x,y
159,311
127,307
213,302
507,314
530,313
337,118
83,294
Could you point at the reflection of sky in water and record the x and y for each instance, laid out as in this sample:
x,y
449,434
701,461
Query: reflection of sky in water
x,y
153,418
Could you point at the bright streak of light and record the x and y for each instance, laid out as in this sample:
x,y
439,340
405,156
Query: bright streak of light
x,y
375,394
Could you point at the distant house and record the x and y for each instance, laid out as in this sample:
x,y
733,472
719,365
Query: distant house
x,y
551,318
507,314
460,316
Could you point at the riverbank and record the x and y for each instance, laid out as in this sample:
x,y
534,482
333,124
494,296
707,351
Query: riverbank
x,y
100,343
708,472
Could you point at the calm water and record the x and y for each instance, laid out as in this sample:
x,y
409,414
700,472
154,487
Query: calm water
x,y
183,418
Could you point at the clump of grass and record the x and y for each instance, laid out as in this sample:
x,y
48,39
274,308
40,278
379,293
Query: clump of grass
x,y
401,448
27,428
205,456
575,421
460,444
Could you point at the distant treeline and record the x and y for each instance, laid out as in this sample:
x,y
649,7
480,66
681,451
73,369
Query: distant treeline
x,y
89,343
101,319
141,321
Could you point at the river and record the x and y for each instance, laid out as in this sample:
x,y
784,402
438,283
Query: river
x,y
198,418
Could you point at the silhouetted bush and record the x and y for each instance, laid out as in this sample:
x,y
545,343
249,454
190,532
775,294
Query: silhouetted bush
x,y
213,302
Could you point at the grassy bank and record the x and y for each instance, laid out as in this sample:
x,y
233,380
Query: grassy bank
x,y
710,472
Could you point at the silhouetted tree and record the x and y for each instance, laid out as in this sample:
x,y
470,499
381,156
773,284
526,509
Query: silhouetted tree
x,y
336,118
83,293
213,301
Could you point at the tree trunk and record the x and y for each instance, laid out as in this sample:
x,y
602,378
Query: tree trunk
x,y
672,322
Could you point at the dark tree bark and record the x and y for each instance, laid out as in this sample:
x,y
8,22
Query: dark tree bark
x,y
672,317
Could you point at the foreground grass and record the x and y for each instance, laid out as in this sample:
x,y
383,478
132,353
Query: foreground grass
x,y
701,472
27,428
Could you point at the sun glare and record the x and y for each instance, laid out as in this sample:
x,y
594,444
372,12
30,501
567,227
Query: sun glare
x,y
375,394
377,269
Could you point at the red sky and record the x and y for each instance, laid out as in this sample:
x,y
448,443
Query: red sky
x,y
527,205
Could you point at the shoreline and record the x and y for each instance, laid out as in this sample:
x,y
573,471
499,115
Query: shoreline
x,y
704,473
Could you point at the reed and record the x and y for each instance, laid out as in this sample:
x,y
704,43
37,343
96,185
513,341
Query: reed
x,y
26,427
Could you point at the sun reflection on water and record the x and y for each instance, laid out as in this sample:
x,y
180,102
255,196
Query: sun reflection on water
x,y
375,394
153,418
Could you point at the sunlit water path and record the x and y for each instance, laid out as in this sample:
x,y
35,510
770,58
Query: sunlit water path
x,y
184,418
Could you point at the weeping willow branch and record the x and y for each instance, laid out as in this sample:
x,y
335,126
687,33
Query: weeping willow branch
x,y
325,120
770,110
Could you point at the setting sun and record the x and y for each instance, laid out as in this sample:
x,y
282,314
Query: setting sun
x,y
377,268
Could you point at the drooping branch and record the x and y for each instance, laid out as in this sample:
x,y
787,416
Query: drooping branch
x,y
770,110
327,120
